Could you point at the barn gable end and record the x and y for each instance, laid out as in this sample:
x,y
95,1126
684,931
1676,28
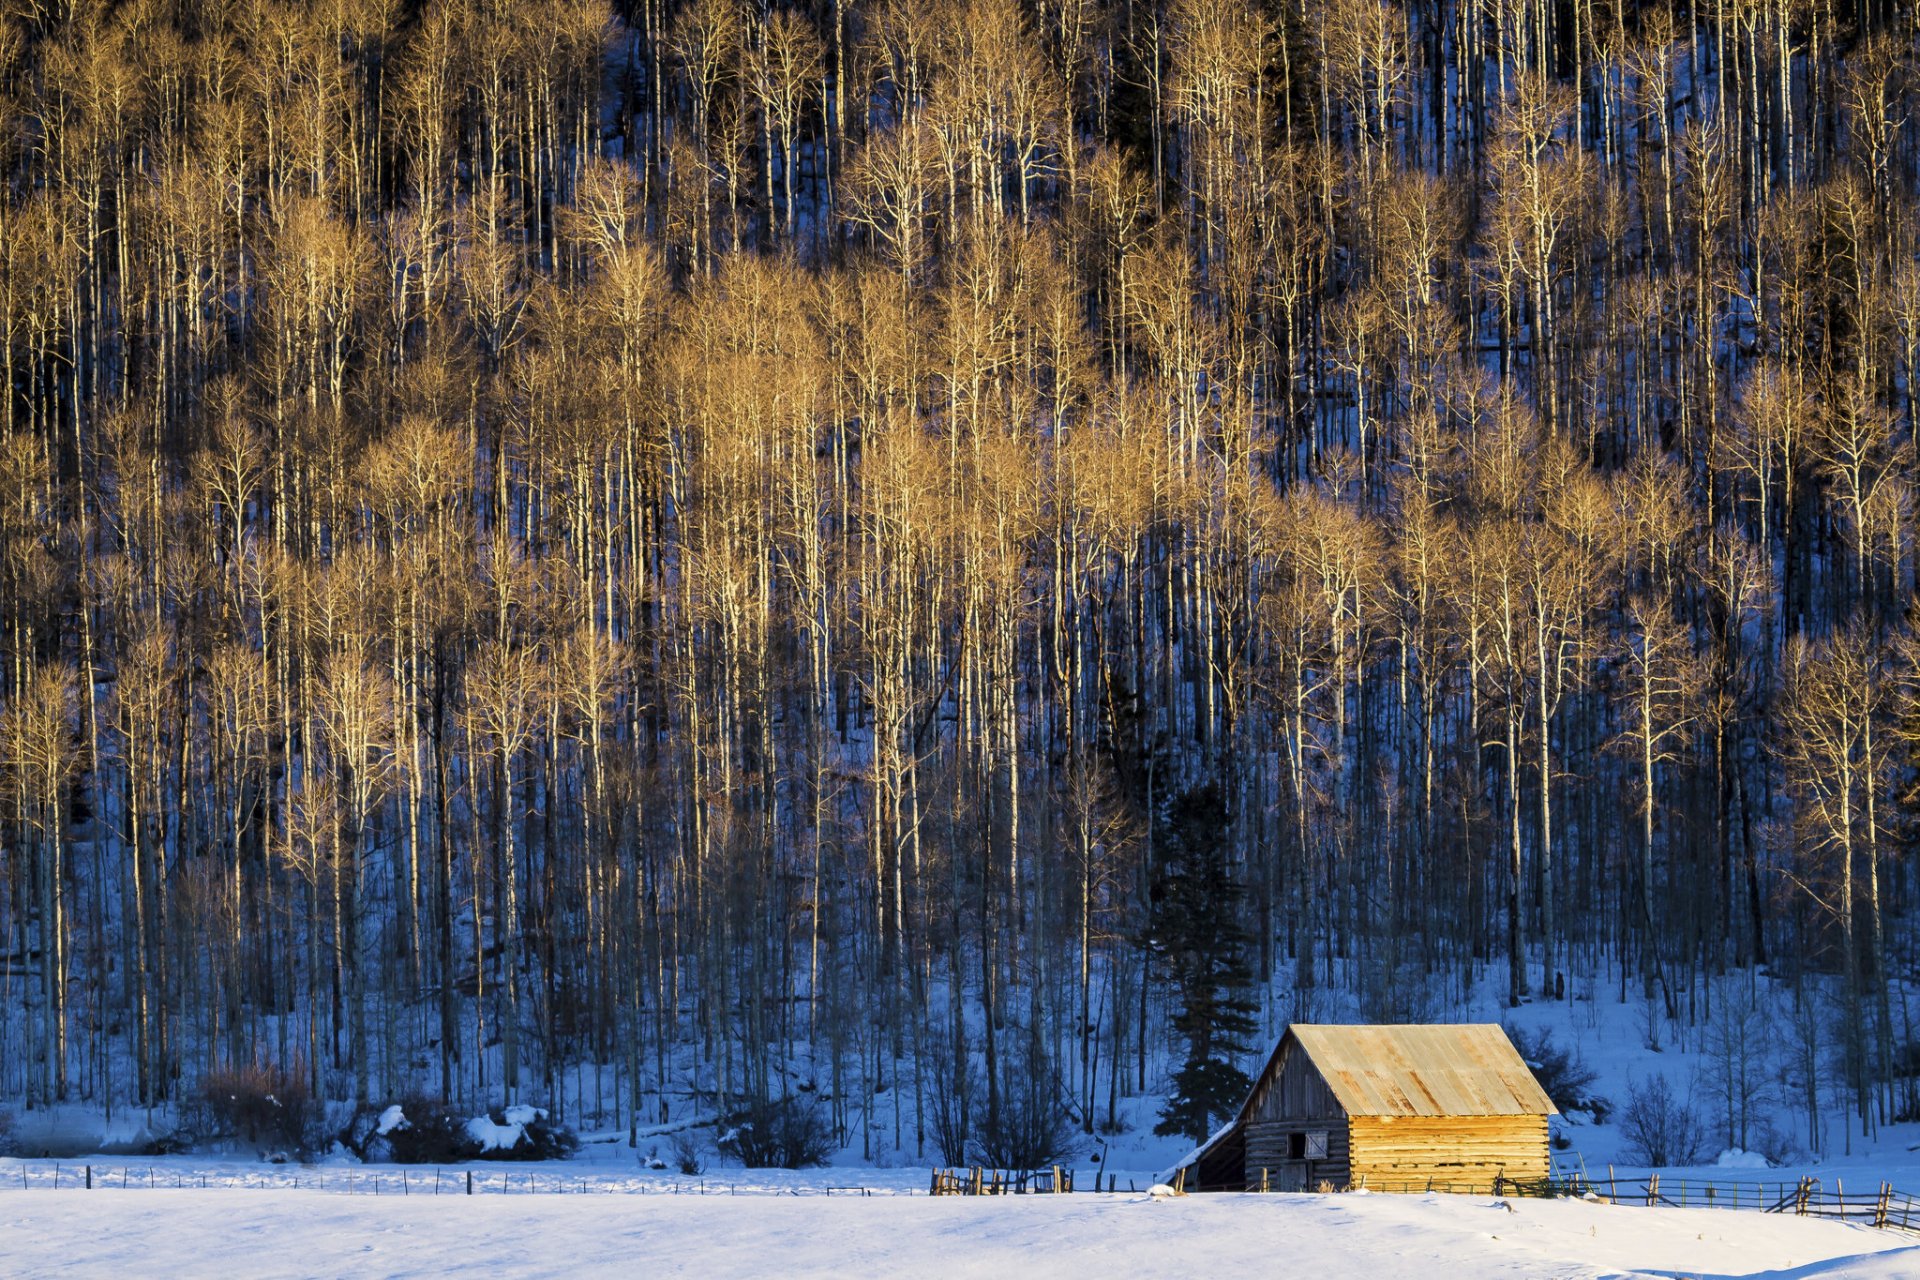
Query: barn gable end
x,y
1292,1088
1296,1129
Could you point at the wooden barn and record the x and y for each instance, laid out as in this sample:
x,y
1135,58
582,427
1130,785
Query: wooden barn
x,y
1393,1108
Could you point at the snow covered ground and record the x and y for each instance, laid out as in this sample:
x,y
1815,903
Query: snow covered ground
x,y
286,1233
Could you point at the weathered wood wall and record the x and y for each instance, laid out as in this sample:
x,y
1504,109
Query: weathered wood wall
x,y
1294,1090
1268,1150
1389,1150
1294,1098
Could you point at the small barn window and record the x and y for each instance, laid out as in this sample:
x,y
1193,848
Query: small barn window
x,y
1296,1146
1317,1145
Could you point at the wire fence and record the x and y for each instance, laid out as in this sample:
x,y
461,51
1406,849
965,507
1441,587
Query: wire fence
x,y
56,1175
392,1180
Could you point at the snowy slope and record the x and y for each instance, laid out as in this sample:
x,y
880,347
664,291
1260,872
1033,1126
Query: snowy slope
x,y
301,1233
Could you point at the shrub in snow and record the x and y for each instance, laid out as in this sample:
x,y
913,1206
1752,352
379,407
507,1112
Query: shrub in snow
x,y
521,1133
1030,1130
952,1126
424,1131
265,1107
687,1156
1740,1068
372,1135
1735,1158
1022,1125
547,1139
1778,1146
951,1108
1659,1128
178,1143
1561,1072
778,1133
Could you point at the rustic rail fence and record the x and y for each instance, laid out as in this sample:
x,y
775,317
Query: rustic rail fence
x,y
1882,1206
981,1181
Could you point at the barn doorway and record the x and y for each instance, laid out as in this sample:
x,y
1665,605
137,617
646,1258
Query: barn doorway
x,y
1295,1173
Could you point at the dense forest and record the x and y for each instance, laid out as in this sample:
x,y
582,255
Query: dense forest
x,y
947,553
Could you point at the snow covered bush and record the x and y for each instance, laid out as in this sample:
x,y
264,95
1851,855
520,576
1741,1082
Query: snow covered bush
x,y
424,1131
521,1133
778,1133
1660,1129
372,1131
266,1107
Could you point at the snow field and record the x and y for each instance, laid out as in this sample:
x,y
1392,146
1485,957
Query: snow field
x,y
280,1233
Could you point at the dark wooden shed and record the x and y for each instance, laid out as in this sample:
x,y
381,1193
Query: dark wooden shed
x,y
1393,1108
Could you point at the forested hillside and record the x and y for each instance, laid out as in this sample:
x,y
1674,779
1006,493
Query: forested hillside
x,y
943,552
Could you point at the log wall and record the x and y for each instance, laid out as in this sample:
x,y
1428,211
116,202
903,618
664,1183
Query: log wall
x,y
1474,1150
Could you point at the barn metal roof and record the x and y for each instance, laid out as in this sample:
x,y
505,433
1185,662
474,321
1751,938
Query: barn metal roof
x,y
1468,1069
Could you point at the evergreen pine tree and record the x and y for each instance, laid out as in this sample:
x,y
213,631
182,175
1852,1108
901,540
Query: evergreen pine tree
x,y
1197,933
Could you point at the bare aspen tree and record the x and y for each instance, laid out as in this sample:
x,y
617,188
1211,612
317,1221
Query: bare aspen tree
x,y
599,555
